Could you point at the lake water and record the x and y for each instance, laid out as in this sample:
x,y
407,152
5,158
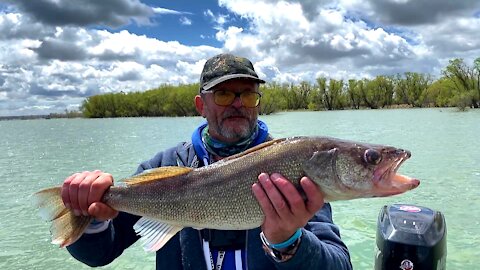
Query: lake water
x,y
445,144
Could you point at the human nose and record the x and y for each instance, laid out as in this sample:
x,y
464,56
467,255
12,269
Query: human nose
x,y
237,102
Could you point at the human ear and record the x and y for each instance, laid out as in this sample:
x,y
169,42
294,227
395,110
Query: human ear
x,y
199,105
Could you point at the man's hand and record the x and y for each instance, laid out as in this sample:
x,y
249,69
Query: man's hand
x,y
82,193
284,208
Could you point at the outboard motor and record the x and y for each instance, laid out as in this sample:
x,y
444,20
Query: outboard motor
x,y
410,237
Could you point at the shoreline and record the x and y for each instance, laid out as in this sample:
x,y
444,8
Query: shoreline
x,y
64,116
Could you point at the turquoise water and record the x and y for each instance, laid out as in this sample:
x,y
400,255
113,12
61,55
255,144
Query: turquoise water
x,y
445,144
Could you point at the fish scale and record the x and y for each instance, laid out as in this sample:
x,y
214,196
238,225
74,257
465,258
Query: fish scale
x,y
219,196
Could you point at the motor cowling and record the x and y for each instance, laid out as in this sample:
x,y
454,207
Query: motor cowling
x,y
410,237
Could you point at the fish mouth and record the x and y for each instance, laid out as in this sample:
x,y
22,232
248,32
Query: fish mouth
x,y
392,183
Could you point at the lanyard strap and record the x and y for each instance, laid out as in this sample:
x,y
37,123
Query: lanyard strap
x,y
220,257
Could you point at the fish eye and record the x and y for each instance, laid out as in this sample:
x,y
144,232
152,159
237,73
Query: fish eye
x,y
372,156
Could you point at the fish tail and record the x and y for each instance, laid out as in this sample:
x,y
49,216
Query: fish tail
x,y
65,228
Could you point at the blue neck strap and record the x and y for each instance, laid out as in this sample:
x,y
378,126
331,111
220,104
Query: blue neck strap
x,y
202,153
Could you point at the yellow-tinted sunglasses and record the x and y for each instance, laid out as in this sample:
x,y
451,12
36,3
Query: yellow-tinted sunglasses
x,y
249,99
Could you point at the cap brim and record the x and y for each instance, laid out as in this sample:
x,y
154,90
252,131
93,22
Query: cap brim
x,y
219,80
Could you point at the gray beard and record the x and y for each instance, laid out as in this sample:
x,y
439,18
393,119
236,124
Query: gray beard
x,y
234,133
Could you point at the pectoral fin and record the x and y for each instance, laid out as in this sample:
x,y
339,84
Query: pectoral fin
x,y
321,165
154,234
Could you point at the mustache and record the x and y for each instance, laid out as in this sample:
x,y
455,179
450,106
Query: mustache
x,y
234,112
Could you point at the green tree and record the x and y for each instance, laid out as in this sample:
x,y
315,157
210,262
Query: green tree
x,y
476,66
315,101
370,93
465,80
459,86
331,93
439,93
272,98
354,94
293,97
409,89
304,90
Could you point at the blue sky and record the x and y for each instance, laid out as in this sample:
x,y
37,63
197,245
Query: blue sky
x,y
55,53
186,23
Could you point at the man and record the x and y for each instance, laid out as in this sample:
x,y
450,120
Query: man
x,y
295,234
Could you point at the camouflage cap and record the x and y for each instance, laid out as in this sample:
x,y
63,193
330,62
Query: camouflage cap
x,y
224,67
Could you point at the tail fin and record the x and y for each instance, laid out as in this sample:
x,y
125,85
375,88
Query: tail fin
x,y
66,228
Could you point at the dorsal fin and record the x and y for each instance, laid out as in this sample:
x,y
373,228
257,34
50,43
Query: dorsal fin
x,y
156,174
255,148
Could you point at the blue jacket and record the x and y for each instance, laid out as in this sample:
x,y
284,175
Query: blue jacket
x,y
320,246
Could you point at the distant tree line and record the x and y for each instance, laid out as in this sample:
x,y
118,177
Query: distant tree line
x,y
166,100
459,87
66,114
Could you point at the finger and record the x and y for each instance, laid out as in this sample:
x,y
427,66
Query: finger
x,y
264,201
314,195
290,193
73,192
99,186
101,211
65,193
84,190
276,198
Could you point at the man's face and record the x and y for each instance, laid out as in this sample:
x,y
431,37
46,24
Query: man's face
x,y
233,122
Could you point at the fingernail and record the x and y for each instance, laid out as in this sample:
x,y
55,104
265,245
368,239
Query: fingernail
x,y
85,213
275,177
263,177
304,180
76,212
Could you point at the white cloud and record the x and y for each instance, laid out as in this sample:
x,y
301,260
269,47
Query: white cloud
x,y
112,62
84,13
219,19
208,13
160,10
344,37
46,67
185,21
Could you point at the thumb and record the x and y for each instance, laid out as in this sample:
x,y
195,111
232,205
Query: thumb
x,y
101,211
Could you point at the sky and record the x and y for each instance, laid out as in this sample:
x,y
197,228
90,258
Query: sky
x,y
56,53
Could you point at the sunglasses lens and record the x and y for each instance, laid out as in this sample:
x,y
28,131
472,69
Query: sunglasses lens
x,y
226,98
250,99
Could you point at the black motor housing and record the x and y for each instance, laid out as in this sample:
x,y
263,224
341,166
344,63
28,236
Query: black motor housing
x,y
410,237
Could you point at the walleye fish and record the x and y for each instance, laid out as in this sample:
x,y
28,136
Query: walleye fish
x,y
219,196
